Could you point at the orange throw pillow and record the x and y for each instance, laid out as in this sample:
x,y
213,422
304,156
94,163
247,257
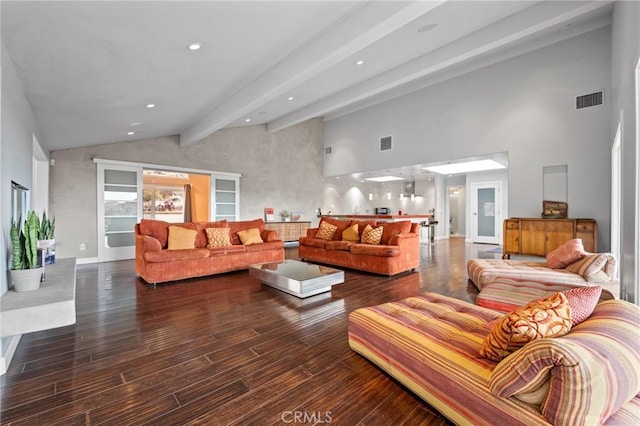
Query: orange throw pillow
x,y
542,318
566,254
181,238
218,237
326,231
250,236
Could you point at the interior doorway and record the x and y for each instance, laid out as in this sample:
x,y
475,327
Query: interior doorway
x,y
486,212
456,211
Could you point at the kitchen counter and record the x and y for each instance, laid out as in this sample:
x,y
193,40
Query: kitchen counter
x,y
417,218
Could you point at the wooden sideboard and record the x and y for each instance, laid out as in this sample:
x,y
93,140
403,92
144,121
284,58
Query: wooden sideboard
x,y
289,231
538,237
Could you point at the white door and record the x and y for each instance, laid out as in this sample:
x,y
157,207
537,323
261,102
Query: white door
x,y
486,213
119,209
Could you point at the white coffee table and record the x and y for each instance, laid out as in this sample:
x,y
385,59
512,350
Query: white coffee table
x,y
300,279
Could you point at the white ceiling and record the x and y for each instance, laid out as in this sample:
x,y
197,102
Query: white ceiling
x,y
90,68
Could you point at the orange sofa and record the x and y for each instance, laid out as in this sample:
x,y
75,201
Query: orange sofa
x,y
155,263
398,251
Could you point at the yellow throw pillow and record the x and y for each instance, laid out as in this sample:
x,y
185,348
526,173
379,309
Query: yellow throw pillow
x,y
371,235
181,238
218,237
250,236
351,234
546,317
326,231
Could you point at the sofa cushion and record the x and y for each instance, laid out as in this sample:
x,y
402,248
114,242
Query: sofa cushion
x,y
157,229
339,245
223,251
326,231
372,235
589,266
338,223
218,237
363,224
312,242
566,254
250,236
242,226
181,238
541,318
173,255
592,370
379,250
266,246
201,239
351,234
394,228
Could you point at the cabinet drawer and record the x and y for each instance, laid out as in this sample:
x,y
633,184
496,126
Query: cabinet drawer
x,y
584,227
512,224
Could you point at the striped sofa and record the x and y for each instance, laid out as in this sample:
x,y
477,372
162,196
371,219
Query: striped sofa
x,y
430,343
484,271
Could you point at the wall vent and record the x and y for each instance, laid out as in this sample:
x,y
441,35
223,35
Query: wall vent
x,y
590,100
327,150
385,143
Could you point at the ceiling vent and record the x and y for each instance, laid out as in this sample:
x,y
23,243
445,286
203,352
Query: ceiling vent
x,y
590,100
385,143
328,150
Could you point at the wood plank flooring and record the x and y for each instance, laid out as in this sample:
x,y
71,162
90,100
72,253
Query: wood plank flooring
x,y
219,350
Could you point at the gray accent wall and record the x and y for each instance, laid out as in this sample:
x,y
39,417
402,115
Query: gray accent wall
x,y
625,48
282,170
524,106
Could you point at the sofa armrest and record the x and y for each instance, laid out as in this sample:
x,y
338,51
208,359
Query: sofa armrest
x,y
269,235
404,239
148,243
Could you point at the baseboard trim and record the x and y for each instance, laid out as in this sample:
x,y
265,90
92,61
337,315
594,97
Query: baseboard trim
x,y
7,355
86,260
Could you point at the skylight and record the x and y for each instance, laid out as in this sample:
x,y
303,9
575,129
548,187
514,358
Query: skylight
x,y
384,179
465,167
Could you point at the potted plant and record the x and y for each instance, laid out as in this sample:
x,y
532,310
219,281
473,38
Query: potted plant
x,y
285,216
25,272
46,238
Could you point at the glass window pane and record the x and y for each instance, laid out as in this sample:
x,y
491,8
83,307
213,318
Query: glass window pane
x,y
225,209
120,177
486,212
118,224
120,208
225,185
120,240
225,197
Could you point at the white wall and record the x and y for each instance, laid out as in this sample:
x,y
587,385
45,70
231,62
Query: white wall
x,y
625,46
524,106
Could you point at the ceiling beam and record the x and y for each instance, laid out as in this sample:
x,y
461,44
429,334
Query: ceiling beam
x,y
370,23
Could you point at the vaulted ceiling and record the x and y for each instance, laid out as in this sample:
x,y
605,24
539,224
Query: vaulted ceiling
x,y
91,68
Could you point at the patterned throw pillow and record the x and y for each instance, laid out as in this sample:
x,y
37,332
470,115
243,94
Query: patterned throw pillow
x,y
566,254
218,237
371,235
583,301
351,234
250,236
326,231
547,317
181,238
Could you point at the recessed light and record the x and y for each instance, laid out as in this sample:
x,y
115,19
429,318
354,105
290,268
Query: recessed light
x,y
131,133
247,120
290,98
151,105
194,46
360,62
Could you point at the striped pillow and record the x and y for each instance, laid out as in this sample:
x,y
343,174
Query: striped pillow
x,y
593,370
591,264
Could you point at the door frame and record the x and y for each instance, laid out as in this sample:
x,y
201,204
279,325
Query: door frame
x,y
473,197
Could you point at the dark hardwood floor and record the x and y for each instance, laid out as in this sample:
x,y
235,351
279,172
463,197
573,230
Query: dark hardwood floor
x,y
219,350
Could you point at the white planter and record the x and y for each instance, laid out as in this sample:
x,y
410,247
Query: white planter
x,y
26,279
